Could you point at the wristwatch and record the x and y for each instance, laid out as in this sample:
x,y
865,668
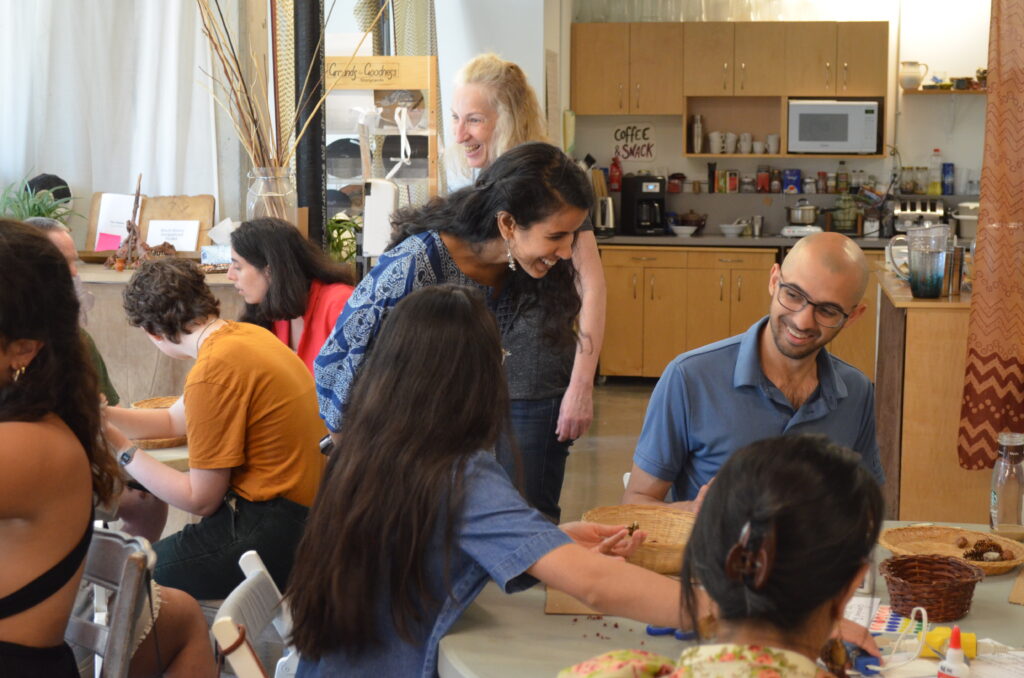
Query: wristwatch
x,y
125,456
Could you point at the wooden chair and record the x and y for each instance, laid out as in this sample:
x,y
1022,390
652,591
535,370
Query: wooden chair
x,y
246,612
117,565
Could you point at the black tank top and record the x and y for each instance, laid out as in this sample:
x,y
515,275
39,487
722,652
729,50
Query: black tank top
x,y
49,582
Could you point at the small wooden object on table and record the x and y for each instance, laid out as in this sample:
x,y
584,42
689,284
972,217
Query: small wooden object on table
x,y
160,403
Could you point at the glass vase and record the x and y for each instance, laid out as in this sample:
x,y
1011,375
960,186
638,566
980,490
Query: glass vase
x,y
271,194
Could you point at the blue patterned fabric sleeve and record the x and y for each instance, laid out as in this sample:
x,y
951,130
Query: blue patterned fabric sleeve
x,y
409,266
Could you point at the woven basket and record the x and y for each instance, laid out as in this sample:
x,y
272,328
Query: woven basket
x,y
667,532
159,403
942,541
942,585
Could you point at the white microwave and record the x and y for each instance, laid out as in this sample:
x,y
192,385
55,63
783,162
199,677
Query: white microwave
x,y
831,126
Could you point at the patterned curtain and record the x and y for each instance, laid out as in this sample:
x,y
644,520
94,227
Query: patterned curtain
x,y
993,398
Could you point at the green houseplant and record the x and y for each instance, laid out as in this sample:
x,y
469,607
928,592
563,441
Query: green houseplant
x,y
19,202
341,237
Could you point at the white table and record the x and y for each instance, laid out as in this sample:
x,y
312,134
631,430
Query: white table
x,y
508,636
175,457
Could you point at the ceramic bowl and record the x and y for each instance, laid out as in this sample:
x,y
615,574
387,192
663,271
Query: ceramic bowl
x,y
684,231
731,230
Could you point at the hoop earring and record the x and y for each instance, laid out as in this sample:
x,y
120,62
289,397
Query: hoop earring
x,y
508,253
18,372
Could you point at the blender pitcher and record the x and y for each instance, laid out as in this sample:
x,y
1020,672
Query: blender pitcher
x,y
926,247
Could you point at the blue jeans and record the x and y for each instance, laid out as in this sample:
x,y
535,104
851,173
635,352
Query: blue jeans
x,y
543,458
202,559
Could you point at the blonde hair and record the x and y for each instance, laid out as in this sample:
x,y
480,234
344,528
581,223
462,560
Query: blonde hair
x,y
520,118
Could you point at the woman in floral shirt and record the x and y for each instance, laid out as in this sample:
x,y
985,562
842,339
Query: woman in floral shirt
x,y
781,543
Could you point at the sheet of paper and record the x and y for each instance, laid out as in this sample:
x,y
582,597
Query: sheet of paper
x,y
183,234
1006,665
115,211
861,609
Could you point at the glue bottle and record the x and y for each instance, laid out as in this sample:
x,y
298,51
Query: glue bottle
x,y
954,666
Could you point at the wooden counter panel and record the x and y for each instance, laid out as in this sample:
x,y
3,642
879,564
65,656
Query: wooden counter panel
x,y
730,259
933,487
661,257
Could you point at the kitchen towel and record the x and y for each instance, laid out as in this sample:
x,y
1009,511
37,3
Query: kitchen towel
x,y
993,395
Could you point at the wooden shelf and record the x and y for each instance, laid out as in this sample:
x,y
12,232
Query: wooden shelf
x,y
793,156
944,91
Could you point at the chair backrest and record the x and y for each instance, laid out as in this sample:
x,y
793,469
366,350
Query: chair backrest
x,y
254,604
117,564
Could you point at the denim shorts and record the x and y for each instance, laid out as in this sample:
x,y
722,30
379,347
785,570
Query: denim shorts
x,y
202,559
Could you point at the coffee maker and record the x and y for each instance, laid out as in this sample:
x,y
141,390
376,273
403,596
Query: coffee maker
x,y
643,205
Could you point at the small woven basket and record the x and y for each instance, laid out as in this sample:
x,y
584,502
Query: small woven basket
x,y
942,585
159,403
667,531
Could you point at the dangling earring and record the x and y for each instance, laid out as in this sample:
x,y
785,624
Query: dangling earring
x,y
18,371
508,253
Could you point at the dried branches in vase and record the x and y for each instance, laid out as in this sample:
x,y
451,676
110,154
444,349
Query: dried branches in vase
x,y
271,192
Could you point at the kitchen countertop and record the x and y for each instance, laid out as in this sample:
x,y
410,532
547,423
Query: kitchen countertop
x,y
98,273
768,241
898,292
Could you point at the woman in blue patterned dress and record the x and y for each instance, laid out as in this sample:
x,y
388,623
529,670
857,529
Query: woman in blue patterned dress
x,y
510,234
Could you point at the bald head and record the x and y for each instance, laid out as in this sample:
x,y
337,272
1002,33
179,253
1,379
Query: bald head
x,y
836,254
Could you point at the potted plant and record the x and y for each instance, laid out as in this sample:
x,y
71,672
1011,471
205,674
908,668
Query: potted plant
x,y
341,237
18,201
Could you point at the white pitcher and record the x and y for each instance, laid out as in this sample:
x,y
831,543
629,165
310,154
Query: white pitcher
x,y
911,74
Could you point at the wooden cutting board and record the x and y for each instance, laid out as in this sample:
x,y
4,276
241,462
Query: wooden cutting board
x,y
560,602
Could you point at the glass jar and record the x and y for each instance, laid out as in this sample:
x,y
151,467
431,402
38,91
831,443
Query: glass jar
x,y
1006,503
272,194
908,181
921,180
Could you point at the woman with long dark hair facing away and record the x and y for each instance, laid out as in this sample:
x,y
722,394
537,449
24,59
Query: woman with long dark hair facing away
x,y
782,541
551,385
289,285
55,465
415,515
509,235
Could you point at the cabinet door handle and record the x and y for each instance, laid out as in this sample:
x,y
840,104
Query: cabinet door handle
x,y
725,75
828,73
644,258
634,286
739,288
730,261
846,74
743,75
721,288
652,288
620,96
637,98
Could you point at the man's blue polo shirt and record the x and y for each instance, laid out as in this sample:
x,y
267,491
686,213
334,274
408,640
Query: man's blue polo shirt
x,y
714,400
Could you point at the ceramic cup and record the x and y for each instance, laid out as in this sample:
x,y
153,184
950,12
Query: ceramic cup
x,y
758,146
730,142
746,142
715,142
773,143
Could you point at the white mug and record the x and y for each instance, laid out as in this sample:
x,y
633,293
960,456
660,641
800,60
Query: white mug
x,y
758,146
773,143
715,142
746,142
730,142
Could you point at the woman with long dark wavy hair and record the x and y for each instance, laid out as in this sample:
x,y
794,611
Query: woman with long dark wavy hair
x,y
51,452
289,285
509,235
415,515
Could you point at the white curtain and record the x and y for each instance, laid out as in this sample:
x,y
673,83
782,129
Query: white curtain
x,y
99,91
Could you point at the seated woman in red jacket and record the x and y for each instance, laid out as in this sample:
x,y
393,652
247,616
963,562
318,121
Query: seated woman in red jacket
x,y
289,285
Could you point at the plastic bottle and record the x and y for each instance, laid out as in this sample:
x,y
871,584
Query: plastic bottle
x,y
842,178
1006,503
935,173
954,665
615,176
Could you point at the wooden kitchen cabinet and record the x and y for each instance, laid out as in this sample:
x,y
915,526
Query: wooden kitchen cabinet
x,y
634,68
646,303
811,58
600,68
708,58
856,343
760,58
862,49
663,301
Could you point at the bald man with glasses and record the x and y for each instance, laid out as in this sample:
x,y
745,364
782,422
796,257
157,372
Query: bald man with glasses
x,y
774,379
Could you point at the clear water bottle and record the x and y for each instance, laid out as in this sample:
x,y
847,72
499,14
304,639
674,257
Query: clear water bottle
x,y
1006,507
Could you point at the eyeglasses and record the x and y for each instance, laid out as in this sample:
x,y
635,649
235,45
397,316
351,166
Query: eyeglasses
x,y
825,314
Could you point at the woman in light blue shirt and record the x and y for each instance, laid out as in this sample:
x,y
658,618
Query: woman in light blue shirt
x,y
414,516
